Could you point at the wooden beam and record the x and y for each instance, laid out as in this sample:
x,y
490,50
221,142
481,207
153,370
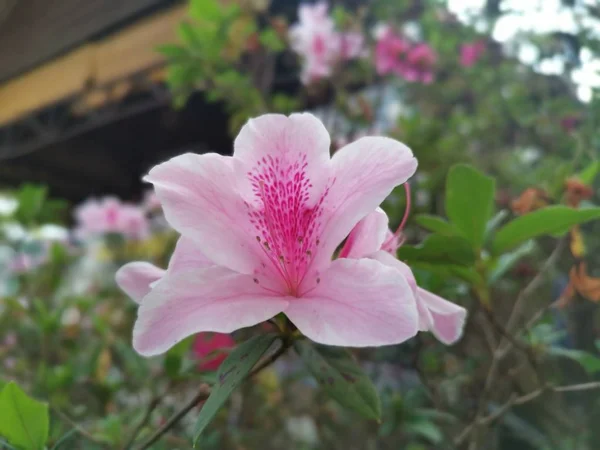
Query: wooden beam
x,y
115,57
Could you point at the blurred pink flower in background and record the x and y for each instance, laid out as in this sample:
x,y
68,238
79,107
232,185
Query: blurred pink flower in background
x,y
261,229
23,263
470,53
207,343
419,64
390,51
315,38
569,123
352,45
110,215
371,238
396,54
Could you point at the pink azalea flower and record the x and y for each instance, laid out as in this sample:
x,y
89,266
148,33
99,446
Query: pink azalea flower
x,y
110,215
419,64
352,45
207,343
470,53
268,221
395,54
371,238
314,38
390,51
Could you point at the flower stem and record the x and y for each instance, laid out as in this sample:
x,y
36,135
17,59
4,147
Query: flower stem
x,y
204,392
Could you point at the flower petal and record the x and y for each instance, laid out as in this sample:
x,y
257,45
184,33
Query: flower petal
x,y
366,171
187,255
200,200
448,318
135,279
367,236
358,303
299,138
443,318
192,301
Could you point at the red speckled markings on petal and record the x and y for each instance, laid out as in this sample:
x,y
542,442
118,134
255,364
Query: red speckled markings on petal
x,y
286,222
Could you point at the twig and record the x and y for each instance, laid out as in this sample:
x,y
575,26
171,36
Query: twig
x,y
140,426
64,438
533,285
516,400
505,344
203,394
77,427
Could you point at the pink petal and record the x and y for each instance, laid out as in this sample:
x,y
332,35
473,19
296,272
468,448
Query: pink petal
x,y
367,236
187,255
357,303
200,200
297,139
443,318
448,318
188,302
391,261
135,279
366,171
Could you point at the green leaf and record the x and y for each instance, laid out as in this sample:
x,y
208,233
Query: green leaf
x,y
31,199
494,223
589,362
440,249
588,175
173,361
467,274
469,201
230,374
427,430
271,40
553,220
436,224
338,374
206,10
187,33
173,51
507,261
24,422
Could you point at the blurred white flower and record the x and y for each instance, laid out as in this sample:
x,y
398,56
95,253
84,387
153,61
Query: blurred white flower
x,y
302,429
70,317
14,231
8,206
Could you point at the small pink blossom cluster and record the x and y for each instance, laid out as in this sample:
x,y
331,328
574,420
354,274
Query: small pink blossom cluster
x,y
395,54
471,53
110,215
260,232
315,38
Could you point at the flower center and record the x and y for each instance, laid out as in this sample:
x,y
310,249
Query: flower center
x,y
287,225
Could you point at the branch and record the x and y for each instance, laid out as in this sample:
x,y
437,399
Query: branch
x,y
82,431
505,344
516,400
203,394
149,410
533,285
